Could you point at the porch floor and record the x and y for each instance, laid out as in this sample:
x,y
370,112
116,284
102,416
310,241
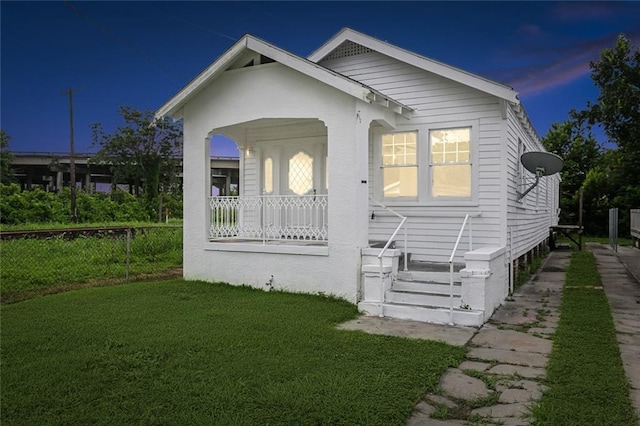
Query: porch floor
x,y
420,266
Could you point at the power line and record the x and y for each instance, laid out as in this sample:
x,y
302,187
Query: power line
x,y
200,27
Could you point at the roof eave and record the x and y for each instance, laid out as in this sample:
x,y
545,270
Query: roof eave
x,y
177,101
448,71
174,106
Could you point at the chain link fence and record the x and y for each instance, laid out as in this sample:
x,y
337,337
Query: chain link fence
x,y
42,262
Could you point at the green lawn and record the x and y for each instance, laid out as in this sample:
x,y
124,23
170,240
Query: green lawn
x,y
185,353
33,265
587,384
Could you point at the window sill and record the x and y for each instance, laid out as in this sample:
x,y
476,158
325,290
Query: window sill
x,y
430,203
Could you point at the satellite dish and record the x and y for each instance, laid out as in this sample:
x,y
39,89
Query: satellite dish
x,y
541,164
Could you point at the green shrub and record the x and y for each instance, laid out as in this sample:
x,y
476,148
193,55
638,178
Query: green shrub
x,y
37,206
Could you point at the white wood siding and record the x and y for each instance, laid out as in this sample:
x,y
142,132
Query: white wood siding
x,y
438,103
528,219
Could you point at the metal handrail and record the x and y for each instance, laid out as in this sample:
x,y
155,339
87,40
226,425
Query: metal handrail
x,y
467,217
386,246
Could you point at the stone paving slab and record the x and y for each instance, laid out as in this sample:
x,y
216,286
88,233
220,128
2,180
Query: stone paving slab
x,y
442,400
509,357
528,372
510,396
474,365
511,340
453,335
455,383
517,409
550,277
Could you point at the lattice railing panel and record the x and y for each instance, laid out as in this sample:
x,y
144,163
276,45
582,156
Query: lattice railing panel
x,y
270,217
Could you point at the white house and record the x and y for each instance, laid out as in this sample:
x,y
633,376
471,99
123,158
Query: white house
x,y
340,149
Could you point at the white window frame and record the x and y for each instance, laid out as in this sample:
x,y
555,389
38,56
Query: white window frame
x,y
424,197
381,166
471,163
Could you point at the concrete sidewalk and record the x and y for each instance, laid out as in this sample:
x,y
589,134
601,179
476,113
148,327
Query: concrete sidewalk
x,y
620,274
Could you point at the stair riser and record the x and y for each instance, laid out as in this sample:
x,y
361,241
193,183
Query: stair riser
x,y
420,287
437,277
425,314
421,299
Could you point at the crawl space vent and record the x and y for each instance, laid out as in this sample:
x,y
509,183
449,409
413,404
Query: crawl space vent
x,y
346,49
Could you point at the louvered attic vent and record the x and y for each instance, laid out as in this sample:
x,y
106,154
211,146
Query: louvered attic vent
x,y
346,49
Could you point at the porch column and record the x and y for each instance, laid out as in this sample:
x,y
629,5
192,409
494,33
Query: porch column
x,y
347,143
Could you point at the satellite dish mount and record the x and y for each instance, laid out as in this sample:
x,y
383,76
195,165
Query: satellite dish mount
x,y
541,164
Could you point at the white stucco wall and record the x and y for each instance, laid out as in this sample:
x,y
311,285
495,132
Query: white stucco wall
x,y
275,91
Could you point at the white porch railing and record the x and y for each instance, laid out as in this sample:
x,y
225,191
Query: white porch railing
x,y
467,218
386,246
269,217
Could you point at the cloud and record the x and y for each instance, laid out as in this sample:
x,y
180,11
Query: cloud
x,y
543,68
529,31
586,11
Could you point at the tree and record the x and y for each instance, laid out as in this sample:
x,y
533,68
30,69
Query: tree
x,y
144,149
572,141
617,74
6,172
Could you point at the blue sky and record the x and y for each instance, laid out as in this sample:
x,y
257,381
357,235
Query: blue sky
x,y
141,53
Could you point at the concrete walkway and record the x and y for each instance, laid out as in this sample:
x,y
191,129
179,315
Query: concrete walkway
x,y
620,274
507,358
505,365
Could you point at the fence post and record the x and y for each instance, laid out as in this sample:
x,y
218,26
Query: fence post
x,y
128,254
613,228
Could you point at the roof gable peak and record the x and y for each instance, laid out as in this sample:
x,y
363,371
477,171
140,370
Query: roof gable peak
x,y
338,46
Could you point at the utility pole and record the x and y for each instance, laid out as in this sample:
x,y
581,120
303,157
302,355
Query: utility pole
x,y
72,160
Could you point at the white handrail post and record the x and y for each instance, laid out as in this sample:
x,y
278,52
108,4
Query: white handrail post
x,y
381,288
470,233
406,251
450,292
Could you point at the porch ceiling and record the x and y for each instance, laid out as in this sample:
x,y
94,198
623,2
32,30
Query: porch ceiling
x,y
237,131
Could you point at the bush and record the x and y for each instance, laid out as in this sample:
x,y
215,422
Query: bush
x,y
37,206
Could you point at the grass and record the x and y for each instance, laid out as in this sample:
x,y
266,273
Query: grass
x,y
177,352
622,241
586,379
57,225
34,265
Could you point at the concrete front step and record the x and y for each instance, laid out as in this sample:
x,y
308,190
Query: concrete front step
x,y
422,299
428,276
426,287
431,314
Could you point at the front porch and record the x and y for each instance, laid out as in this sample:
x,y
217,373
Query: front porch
x,y
278,219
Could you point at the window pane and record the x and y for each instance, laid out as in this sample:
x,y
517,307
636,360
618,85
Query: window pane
x,y
450,146
451,181
268,175
399,149
400,181
300,173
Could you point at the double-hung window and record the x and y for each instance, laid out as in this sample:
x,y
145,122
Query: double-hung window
x,y
400,165
450,163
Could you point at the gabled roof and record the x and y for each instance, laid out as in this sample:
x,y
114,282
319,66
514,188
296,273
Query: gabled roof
x,y
455,74
250,43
